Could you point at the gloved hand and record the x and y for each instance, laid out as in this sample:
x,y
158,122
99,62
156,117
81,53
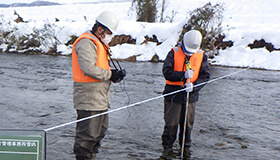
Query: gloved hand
x,y
189,74
189,87
117,76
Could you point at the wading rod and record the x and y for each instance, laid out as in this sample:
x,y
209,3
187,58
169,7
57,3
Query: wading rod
x,y
185,126
188,67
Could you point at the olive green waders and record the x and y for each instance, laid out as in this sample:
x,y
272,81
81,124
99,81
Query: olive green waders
x,y
174,115
89,134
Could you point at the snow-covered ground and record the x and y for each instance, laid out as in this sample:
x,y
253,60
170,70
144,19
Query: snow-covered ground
x,y
243,22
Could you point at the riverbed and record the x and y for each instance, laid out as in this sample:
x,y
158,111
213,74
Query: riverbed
x,y
237,117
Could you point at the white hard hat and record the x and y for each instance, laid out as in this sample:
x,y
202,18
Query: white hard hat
x,y
192,40
109,20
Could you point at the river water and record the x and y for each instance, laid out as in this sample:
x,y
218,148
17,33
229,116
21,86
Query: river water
x,y
237,117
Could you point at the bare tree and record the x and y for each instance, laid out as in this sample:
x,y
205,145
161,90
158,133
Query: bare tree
x,y
146,10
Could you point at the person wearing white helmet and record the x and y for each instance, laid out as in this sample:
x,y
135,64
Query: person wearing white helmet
x,y
184,66
92,78
109,22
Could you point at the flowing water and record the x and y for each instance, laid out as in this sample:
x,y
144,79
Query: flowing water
x,y
237,117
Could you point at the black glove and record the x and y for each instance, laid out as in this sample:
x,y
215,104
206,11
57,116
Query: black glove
x,y
117,76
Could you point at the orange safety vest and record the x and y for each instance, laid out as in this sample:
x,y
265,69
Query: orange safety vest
x,y
102,59
180,65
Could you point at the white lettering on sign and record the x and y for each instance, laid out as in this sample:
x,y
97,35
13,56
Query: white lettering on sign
x,y
17,143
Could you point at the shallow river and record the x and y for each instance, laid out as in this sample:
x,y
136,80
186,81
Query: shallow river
x,y
237,117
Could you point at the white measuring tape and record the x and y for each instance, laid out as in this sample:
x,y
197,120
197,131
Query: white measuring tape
x,y
137,103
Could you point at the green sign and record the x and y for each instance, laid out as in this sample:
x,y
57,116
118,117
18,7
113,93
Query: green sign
x,y
22,145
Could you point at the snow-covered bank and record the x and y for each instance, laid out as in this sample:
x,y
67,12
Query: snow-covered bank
x,y
243,22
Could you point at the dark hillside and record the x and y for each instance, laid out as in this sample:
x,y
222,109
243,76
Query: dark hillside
x,y
36,3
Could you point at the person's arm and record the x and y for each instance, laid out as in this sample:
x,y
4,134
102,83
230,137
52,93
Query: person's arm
x,y
204,73
168,69
87,57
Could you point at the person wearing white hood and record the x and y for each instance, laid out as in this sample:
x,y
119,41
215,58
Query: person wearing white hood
x,y
92,78
185,66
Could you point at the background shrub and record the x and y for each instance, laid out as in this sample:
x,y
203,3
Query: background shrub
x,y
207,20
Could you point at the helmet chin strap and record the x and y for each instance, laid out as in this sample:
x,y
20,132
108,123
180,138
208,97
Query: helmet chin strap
x,y
185,50
103,32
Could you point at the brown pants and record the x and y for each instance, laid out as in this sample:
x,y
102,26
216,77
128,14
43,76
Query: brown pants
x,y
89,133
174,115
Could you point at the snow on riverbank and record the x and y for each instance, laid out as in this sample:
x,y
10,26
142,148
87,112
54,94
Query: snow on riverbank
x,y
243,22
